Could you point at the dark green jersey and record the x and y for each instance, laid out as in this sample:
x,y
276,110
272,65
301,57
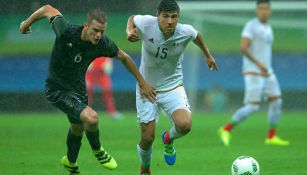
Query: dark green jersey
x,y
71,56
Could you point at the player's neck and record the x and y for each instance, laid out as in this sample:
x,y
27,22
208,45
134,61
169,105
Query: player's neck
x,y
262,21
83,35
167,35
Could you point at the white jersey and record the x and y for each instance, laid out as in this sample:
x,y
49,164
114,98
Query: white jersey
x,y
261,36
161,62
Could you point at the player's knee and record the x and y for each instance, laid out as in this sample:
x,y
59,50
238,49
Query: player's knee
x,y
185,129
184,126
276,104
92,120
253,107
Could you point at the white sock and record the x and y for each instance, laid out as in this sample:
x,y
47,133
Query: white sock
x,y
244,112
144,155
274,111
173,134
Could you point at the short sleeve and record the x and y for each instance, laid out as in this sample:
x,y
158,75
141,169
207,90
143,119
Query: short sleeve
x,y
247,31
140,21
189,31
59,25
109,48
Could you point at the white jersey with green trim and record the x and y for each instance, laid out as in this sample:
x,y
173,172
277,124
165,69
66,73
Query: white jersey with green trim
x,y
261,36
161,60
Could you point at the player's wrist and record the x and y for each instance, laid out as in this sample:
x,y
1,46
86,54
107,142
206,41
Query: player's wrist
x,y
25,23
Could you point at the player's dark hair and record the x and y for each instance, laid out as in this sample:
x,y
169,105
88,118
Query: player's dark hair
x,y
263,1
96,14
168,6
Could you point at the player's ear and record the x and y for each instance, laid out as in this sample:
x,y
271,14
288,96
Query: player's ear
x,y
158,13
85,25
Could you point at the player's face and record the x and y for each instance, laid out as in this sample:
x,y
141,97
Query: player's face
x,y
168,21
264,12
95,31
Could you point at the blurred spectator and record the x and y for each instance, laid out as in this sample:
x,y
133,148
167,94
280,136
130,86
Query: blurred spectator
x,y
215,99
98,74
35,5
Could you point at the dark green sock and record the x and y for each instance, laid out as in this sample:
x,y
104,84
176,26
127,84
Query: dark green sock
x,y
73,146
93,139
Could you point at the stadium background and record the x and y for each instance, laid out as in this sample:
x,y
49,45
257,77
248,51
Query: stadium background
x,y
24,58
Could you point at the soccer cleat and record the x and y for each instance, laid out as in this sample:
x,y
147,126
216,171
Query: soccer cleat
x,y
145,171
169,151
72,168
225,136
276,141
105,159
148,173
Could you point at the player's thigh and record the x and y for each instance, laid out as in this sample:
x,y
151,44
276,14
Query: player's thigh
x,y
67,102
175,100
272,88
253,88
105,82
146,110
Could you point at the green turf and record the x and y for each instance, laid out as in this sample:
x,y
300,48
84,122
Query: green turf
x,y
32,144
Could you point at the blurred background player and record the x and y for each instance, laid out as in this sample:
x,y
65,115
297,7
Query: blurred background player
x,y
215,99
163,43
260,80
98,73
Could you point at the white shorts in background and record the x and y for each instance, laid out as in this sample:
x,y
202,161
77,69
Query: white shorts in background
x,y
168,101
258,88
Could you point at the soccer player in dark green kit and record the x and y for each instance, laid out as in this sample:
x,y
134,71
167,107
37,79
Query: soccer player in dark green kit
x,y
75,47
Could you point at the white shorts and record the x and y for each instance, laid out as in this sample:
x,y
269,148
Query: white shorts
x,y
258,88
168,101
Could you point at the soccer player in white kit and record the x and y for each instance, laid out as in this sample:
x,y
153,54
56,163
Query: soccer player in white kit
x,y
260,80
163,43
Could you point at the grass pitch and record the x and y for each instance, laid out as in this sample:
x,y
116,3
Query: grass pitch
x,y
32,144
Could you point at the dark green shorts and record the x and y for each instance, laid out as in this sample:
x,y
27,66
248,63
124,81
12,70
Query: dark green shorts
x,y
70,103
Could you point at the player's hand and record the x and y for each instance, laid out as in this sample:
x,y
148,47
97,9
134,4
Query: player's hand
x,y
24,28
263,70
132,35
148,91
211,63
107,67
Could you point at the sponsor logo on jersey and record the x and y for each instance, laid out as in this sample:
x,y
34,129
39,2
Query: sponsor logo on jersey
x,y
176,44
151,40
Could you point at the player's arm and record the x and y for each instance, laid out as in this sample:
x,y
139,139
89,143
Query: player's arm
x,y
131,30
245,43
45,11
146,90
199,41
